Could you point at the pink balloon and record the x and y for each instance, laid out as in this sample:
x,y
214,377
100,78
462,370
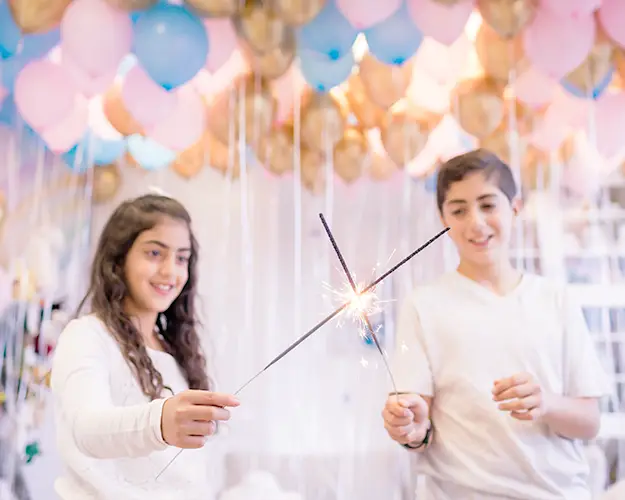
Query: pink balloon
x,y
534,88
288,89
572,8
609,124
64,135
363,14
550,132
612,19
425,92
44,93
210,85
223,40
146,101
87,84
545,39
95,35
444,63
185,125
444,23
570,109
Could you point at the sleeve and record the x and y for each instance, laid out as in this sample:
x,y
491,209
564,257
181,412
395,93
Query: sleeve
x,y
584,374
81,386
410,365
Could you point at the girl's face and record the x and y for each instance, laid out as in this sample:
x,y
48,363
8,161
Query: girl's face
x,y
157,266
480,218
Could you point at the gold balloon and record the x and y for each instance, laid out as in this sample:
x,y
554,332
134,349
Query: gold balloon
x,y
500,143
405,133
350,155
312,171
189,162
216,8
298,12
508,17
535,169
117,114
276,152
273,63
597,65
106,183
132,5
323,122
368,114
223,158
498,56
478,106
382,168
385,84
37,16
261,28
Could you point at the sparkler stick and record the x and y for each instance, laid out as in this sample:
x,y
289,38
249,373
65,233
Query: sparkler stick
x,y
363,315
326,320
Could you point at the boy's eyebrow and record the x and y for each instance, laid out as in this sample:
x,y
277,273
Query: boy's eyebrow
x,y
480,198
164,246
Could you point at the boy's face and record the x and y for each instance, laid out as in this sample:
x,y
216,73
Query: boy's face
x,y
480,219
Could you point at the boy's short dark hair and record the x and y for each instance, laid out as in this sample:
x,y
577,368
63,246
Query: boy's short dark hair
x,y
478,160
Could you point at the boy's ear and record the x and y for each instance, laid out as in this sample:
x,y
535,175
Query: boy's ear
x,y
517,206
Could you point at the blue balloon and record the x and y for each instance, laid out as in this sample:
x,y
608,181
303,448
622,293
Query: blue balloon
x,y
78,158
595,93
329,33
171,44
149,153
10,34
8,110
322,73
396,39
105,152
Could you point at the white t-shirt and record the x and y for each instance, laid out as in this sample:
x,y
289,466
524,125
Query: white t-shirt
x,y
455,338
109,432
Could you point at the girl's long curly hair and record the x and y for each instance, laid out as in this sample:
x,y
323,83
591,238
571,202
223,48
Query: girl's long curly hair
x,y
108,289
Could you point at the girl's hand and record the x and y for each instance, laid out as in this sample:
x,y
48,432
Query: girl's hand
x,y
191,416
521,395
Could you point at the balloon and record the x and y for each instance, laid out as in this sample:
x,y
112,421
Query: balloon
x,y
396,39
261,28
132,5
544,38
323,122
368,114
350,155
106,151
190,162
37,16
171,44
10,33
498,56
62,136
507,17
405,133
277,152
216,8
311,171
272,64
323,74
444,23
79,158
609,124
385,84
185,125
592,77
89,85
382,168
572,8
298,12
288,89
535,169
44,94
222,158
95,36
117,114
328,33
147,102
106,183
148,153
499,143
611,16
534,88
478,106
366,13
219,53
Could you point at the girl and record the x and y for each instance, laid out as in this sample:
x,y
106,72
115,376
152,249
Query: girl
x,y
129,380
500,375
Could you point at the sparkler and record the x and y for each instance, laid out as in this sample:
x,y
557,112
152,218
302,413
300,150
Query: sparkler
x,y
354,303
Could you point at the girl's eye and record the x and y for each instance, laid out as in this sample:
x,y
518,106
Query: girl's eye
x,y
183,259
154,253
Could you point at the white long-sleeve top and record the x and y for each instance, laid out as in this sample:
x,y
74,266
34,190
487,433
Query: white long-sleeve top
x,y
109,432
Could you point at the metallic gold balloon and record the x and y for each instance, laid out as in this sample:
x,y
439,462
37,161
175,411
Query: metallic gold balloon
x,y
508,17
498,56
224,157
478,106
368,114
323,122
405,133
189,162
350,155
312,165
216,8
597,65
535,169
298,12
261,27
132,5
276,152
106,183
382,168
117,114
385,84
273,63
37,16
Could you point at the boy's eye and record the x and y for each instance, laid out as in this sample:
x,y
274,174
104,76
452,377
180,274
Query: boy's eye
x,y
488,206
458,212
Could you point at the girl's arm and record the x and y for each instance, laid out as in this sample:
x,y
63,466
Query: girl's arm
x,y
81,387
